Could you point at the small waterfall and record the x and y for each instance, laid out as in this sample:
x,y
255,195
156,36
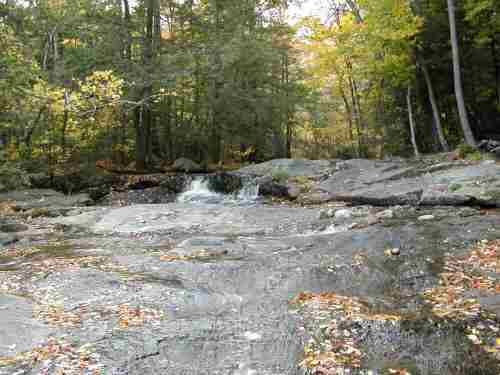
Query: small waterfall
x,y
199,192
249,191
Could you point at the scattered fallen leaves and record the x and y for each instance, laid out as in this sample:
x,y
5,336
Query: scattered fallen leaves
x,y
399,371
199,255
337,352
8,208
55,315
461,277
60,357
137,316
448,302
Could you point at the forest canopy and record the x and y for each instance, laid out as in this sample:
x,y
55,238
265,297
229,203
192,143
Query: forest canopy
x,y
142,83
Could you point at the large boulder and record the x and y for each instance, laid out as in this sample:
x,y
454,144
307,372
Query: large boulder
x,y
284,168
174,183
7,239
37,198
392,183
226,183
20,331
488,145
269,187
186,165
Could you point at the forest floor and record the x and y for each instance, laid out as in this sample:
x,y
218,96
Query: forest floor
x,y
354,276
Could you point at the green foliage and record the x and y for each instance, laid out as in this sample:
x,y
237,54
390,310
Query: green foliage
x,y
454,187
82,81
465,151
475,156
12,176
280,176
345,152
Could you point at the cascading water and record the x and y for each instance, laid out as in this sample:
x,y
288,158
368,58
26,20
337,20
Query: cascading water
x,y
249,191
199,192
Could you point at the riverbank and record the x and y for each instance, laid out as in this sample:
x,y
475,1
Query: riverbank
x,y
268,285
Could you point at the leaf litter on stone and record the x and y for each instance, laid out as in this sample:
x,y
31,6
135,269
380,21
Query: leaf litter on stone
x,y
462,277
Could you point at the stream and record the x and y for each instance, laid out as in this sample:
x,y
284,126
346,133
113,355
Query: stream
x,y
203,286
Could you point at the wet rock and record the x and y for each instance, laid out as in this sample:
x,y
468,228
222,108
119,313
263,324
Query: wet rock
x,y
186,165
290,168
36,198
280,189
174,183
7,239
294,191
45,212
488,145
315,197
155,195
426,218
469,211
13,228
268,187
233,305
19,330
496,152
383,183
386,214
343,214
372,220
395,251
226,183
326,213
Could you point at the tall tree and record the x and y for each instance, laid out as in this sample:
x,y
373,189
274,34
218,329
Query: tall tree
x,y
435,109
457,77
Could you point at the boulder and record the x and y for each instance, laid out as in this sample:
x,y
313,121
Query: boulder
x,y
20,330
286,168
343,214
154,195
326,213
382,183
386,214
37,198
7,239
273,189
426,218
186,165
488,145
496,152
226,183
294,191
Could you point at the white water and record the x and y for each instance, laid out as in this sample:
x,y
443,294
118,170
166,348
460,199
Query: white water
x,y
331,229
199,192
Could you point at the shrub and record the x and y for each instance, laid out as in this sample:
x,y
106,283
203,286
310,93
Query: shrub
x,y
345,152
280,176
465,150
12,176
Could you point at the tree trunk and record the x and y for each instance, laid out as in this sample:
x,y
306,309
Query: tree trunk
x,y
497,67
140,139
144,120
214,138
462,112
412,123
288,115
435,109
355,10
127,27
